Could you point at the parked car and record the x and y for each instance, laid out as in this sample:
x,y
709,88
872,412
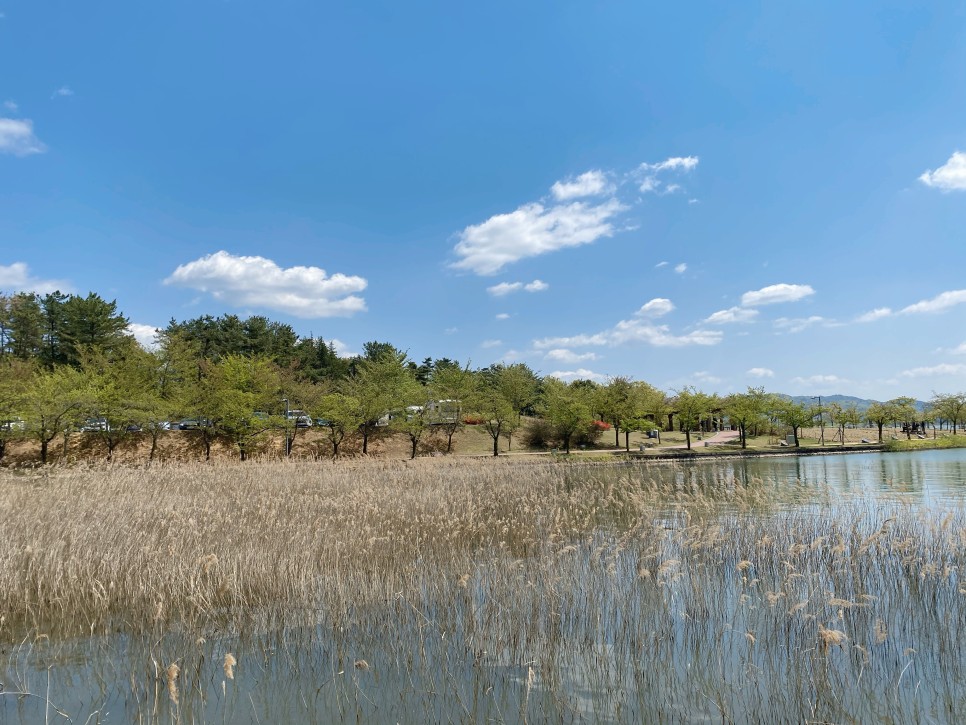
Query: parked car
x,y
301,418
194,423
94,425
13,424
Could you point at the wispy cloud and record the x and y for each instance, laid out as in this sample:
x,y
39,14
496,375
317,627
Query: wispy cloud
x,y
731,315
872,315
658,307
503,316
951,176
11,105
651,178
939,303
306,292
16,277
563,355
590,183
637,330
17,137
935,370
660,264
681,268
761,373
776,293
505,288
821,380
62,92
703,376
487,344
578,374
797,324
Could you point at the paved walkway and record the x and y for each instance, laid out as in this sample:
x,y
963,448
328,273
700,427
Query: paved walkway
x,y
722,436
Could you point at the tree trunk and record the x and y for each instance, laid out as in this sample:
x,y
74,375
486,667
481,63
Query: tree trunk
x,y
449,441
744,436
43,450
365,440
627,440
412,453
687,434
617,435
880,431
567,443
154,446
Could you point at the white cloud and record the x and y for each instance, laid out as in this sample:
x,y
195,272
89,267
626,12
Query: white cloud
x,y
146,335
629,331
10,105
941,369
960,349
951,176
776,293
17,137
451,330
590,183
797,324
578,374
732,314
820,380
939,303
306,292
649,175
560,354
573,341
503,316
486,344
341,349
658,307
62,92
761,373
505,288
681,268
16,277
872,315
703,376
532,230
660,264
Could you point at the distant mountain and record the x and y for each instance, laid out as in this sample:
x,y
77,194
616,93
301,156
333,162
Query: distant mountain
x,y
861,404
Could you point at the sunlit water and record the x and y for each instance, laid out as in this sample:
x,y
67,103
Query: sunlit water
x,y
582,639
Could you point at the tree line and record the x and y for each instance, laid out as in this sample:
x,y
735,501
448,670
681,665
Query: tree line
x,y
69,363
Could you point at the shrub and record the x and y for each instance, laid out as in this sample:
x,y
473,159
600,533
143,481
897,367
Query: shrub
x,y
539,434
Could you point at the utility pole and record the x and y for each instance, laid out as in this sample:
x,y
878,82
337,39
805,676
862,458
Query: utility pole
x,y
821,419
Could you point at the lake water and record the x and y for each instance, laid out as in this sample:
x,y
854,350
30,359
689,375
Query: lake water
x,y
620,626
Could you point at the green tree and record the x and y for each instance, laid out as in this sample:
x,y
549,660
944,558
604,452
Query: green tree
x,y
341,416
238,388
451,387
15,380
379,385
54,405
950,407
691,406
903,410
879,414
567,409
745,410
619,402
90,324
793,415
25,322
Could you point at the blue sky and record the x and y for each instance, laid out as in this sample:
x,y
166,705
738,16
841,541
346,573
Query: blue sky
x,y
707,194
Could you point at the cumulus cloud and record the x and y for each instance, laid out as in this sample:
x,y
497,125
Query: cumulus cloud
x,y
532,230
658,307
776,293
939,303
505,288
560,354
306,292
872,315
17,137
761,373
146,335
486,344
591,183
951,176
731,315
578,374
342,349
934,370
681,268
703,376
503,316
16,277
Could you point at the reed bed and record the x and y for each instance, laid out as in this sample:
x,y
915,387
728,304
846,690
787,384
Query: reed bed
x,y
474,591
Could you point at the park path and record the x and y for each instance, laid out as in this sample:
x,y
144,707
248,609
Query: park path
x,y
722,436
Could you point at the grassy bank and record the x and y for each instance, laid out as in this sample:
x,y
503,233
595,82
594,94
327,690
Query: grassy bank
x,y
493,590
925,444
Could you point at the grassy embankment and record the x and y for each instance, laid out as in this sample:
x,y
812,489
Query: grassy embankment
x,y
925,444
643,595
